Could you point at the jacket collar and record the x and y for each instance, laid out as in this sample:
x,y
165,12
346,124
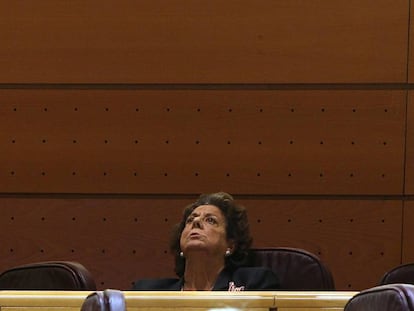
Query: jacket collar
x,y
223,279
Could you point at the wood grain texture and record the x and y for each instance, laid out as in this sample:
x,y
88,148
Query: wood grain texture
x,y
410,64
408,233
121,240
322,166
321,41
409,158
117,240
348,235
162,301
260,142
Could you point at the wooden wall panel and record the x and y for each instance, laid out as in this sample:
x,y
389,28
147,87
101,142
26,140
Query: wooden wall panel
x,y
349,235
410,64
409,159
320,41
267,142
408,233
122,239
117,240
150,99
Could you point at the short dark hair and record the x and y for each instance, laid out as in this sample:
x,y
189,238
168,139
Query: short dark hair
x,y
237,229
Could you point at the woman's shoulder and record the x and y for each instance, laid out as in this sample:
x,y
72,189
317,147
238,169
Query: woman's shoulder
x,y
254,270
157,284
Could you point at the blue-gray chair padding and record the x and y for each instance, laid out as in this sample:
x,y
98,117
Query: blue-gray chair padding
x,y
107,300
389,297
296,268
48,275
400,274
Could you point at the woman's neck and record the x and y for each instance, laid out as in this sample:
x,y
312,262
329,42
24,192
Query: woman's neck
x,y
201,273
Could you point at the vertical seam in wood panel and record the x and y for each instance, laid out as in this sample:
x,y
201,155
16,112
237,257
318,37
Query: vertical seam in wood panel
x,y
408,42
406,132
402,231
407,97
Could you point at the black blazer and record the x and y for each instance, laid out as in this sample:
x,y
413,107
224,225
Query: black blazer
x,y
244,278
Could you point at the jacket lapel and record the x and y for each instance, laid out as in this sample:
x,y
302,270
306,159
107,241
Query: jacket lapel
x,y
223,280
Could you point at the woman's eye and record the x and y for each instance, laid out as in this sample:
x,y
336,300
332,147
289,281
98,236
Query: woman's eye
x,y
211,220
189,220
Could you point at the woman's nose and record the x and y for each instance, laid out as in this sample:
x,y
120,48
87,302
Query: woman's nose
x,y
197,223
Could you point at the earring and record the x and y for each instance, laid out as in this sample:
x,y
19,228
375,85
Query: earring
x,y
227,253
181,254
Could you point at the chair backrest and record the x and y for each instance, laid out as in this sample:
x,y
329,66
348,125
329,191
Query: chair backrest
x,y
107,300
400,274
48,275
296,268
389,297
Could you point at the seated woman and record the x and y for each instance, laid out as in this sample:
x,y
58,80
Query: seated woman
x,y
211,245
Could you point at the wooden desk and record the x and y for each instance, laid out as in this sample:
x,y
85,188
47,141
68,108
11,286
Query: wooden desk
x,y
312,301
163,301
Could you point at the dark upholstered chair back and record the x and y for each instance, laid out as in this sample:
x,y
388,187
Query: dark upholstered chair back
x,y
297,269
389,297
400,274
107,300
49,275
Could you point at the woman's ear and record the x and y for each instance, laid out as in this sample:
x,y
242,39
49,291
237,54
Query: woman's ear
x,y
231,245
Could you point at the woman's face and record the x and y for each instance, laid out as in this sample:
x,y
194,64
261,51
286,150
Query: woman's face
x,y
205,230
